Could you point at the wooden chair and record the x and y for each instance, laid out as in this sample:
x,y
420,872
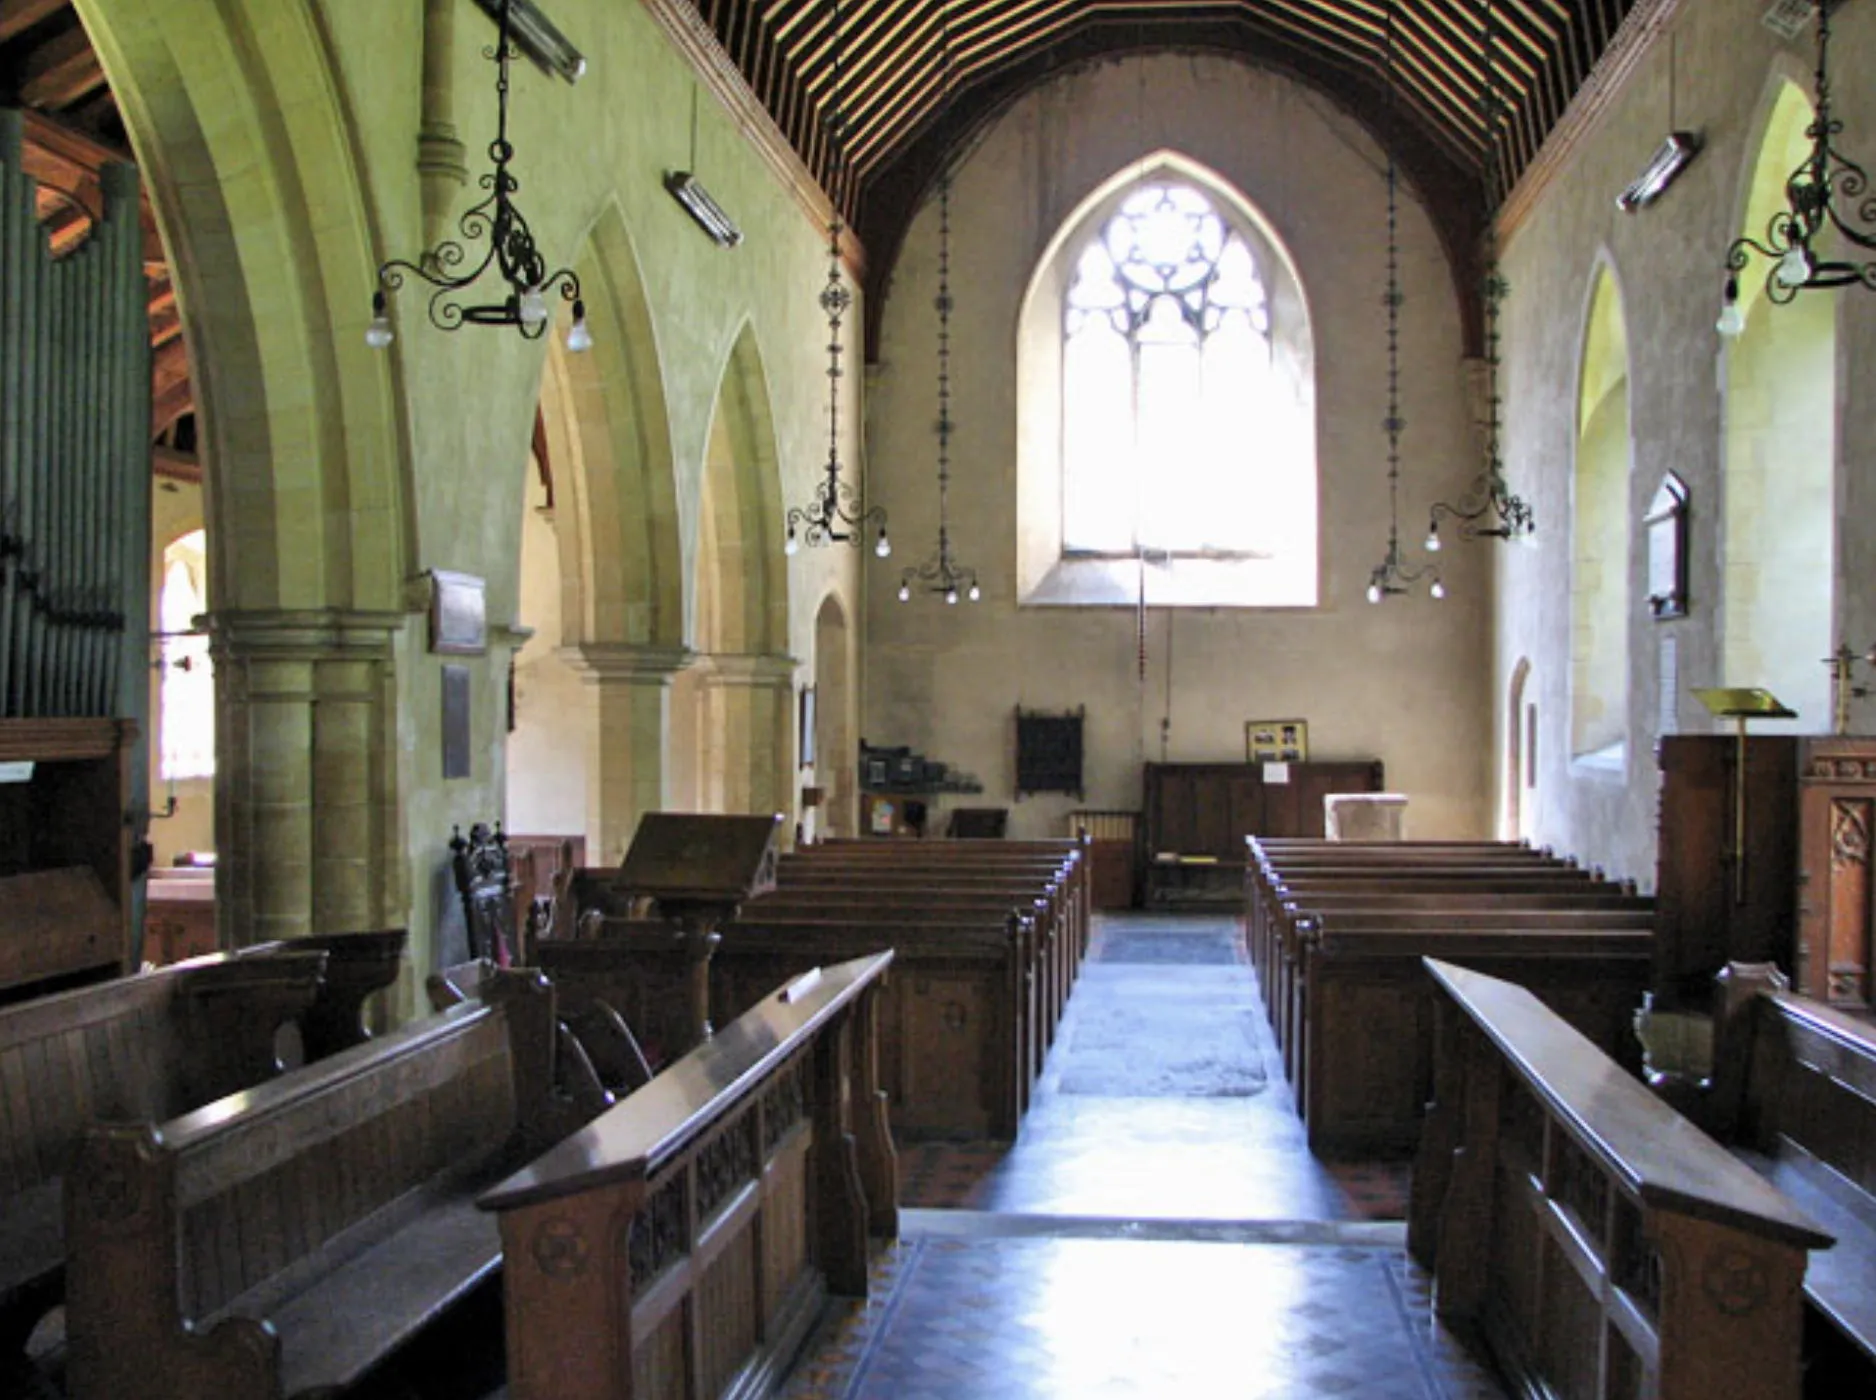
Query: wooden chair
x,y
485,881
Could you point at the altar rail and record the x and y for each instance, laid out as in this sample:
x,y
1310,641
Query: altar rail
x,y
1605,1246
680,1245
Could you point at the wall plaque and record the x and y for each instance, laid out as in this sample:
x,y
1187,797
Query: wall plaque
x,y
458,614
456,746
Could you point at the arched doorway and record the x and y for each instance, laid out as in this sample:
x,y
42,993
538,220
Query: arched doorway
x,y
1779,481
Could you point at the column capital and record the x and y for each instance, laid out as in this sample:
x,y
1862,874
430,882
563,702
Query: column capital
x,y
610,661
759,670
311,634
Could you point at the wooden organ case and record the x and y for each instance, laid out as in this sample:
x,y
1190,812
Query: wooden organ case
x,y
64,850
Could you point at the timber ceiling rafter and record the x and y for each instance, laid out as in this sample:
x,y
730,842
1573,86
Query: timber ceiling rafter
x,y
902,129
49,68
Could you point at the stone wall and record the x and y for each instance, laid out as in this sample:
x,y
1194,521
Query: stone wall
x,y
1666,261
1404,681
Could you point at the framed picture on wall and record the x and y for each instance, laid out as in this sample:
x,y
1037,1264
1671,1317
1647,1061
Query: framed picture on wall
x,y
1276,741
804,723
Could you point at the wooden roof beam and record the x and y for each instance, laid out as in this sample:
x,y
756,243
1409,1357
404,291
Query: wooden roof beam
x,y
17,16
61,71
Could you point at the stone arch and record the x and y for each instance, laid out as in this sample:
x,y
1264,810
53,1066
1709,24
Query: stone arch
x,y
742,502
543,756
835,751
740,693
236,112
236,117
606,426
1599,535
608,433
1779,445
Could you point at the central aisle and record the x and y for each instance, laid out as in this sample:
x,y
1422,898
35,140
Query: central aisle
x,y
1158,1230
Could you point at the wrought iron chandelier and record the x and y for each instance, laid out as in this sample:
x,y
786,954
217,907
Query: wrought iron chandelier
x,y
1811,213
1392,577
834,514
941,572
1489,509
510,250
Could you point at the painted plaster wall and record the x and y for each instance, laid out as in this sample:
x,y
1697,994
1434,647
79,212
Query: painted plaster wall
x,y
1405,681
546,778
601,144
1667,263
281,137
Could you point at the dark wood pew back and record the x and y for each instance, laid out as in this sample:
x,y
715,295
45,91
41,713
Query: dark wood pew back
x,y
284,1240
681,1244
1604,1245
150,1045
1361,1034
1807,1122
958,1043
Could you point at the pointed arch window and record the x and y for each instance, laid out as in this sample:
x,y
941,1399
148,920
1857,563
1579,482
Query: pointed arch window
x,y
187,694
1167,370
1182,387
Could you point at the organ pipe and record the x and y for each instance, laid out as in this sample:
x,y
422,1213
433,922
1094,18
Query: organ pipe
x,y
74,455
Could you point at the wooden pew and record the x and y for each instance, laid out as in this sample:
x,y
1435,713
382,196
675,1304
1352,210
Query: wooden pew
x,y
1274,937
1060,879
1060,940
1072,852
1337,936
285,1240
868,905
151,1045
1800,1080
1472,909
1604,1245
681,1244
1361,1057
1268,862
956,1040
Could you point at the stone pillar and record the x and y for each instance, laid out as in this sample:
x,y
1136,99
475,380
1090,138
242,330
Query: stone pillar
x,y
749,714
627,730
306,809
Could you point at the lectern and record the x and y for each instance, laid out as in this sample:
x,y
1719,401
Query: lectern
x,y
698,868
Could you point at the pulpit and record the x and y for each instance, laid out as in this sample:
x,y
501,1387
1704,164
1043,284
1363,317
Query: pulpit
x,y
698,868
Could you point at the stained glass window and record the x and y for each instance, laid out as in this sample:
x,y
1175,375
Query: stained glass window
x,y
1182,431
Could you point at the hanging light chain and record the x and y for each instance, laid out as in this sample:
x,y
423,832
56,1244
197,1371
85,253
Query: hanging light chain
x,y
1391,576
941,573
833,514
1489,509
